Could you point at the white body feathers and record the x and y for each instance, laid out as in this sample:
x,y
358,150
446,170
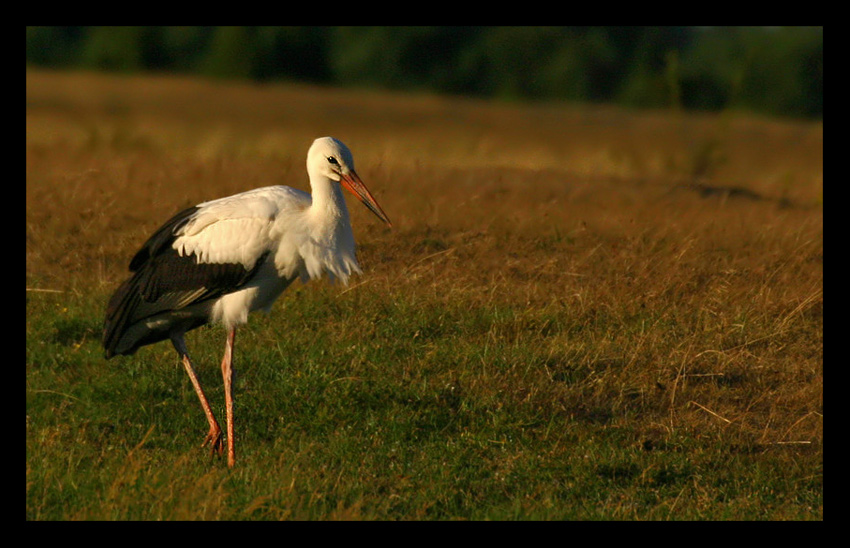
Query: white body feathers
x,y
296,234
222,259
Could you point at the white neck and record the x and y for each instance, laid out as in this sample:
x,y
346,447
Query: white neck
x,y
328,209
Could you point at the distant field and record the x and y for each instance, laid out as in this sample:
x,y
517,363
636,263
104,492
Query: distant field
x,y
581,313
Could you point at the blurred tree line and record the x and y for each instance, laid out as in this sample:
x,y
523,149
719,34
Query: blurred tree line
x,y
775,70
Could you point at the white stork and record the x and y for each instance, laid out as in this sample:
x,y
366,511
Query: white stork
x,y
222,259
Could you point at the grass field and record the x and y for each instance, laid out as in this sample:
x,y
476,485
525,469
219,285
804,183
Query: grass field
x,y
581,313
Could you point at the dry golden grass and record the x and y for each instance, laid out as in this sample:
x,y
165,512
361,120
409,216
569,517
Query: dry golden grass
x,y
593,209
678,257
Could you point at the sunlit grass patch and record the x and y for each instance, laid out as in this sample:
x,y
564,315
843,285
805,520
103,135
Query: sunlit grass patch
x,y
561,325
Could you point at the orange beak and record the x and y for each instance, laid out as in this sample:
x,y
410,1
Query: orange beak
x,y
354,185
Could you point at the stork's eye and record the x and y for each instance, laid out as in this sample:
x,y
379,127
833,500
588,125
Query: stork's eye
x,y
332,160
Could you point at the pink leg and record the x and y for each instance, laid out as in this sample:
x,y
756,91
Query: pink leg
x,y
214,435
227,374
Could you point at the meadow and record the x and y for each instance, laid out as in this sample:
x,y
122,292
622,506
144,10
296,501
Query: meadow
x,y
581,313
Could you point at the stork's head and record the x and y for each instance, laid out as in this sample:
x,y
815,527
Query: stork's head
x,y
330,158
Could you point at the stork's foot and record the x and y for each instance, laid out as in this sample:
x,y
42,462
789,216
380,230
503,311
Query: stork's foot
x,y
215,440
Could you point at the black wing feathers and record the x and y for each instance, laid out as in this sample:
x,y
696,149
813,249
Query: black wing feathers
x,y
168,272
162,238
164,283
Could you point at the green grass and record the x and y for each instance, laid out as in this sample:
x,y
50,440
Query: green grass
x,y
568,320
392,410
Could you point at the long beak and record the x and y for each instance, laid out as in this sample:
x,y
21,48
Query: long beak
x,y
353,183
